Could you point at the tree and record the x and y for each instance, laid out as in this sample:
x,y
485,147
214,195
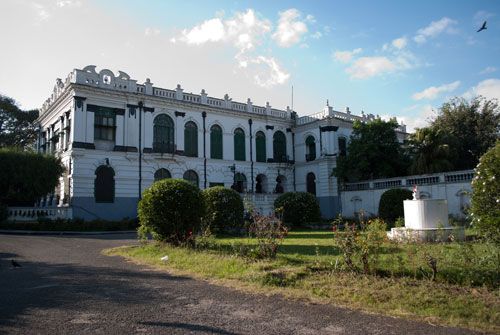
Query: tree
x,y
374,152
472,128
17,127
431,151
27,176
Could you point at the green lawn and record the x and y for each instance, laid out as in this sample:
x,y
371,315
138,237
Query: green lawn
x,y
465,293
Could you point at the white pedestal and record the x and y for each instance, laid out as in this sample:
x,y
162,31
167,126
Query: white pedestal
x,y
426,213
426,220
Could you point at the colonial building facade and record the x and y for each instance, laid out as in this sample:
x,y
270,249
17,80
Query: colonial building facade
x,y
116,137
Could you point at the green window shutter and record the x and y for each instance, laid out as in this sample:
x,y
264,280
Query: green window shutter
x,y
279,147
216,142
191,139
239,145
311,149
163,134
260,145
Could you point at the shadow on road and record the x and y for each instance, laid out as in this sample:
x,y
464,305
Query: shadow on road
x,y
189,327
69,287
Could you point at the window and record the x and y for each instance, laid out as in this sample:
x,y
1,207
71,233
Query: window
x,y
260,146
104,123
279,147
192,177
216,142
311,183
191,139
239,145
104,184
163,134
162,174
261,185
310,148
342,146
240,182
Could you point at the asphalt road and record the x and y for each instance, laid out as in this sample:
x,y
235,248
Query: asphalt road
x,y
65,286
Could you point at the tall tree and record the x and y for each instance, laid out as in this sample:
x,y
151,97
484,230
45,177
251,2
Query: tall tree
x,y
373,152
431,150
17,127
472,128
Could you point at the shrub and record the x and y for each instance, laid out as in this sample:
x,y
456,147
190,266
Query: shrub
x,y
485,201
391,204
27,176
223,209
171,210
269,232
298,208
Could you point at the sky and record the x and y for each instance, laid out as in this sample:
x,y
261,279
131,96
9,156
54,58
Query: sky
x,y
387,58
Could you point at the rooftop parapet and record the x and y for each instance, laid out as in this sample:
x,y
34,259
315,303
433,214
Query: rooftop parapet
x,y
329,112
106,79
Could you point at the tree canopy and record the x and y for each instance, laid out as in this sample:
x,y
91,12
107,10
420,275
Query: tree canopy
x,y
26,176
374,152
17,127
475,125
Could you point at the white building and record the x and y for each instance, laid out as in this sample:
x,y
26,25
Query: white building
x,y
116,137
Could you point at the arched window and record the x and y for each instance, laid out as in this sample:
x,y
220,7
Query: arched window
x,y
280,184
310,148
240,182
239,145
342,146
163,134
162,174
216,142
260,146
191,139
279,147
104,184
261,185
311,183
192,177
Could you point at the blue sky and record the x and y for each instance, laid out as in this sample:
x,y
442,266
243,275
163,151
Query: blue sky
x,y
392,58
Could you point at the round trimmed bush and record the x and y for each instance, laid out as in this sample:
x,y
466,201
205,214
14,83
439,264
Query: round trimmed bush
x,y
223,208
171,210
485,200
390,206
299,208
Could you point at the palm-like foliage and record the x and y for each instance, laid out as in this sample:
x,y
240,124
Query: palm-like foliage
x,y
431,151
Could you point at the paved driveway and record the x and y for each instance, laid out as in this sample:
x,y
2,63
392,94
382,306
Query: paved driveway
x,y
65,286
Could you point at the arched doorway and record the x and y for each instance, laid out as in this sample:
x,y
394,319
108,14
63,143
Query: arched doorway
x,y
311,183
261,183
240,182
280,184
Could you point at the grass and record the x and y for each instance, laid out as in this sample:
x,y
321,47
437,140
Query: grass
x,y
465,294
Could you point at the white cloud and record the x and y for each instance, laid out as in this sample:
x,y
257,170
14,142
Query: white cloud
x,y
317,35
209,31
290,29
422,116
346,56
266,71
41,11
488,69
434,29
310,18
489,88
433,91
400,43
244,31
366,67
151,31
66,3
